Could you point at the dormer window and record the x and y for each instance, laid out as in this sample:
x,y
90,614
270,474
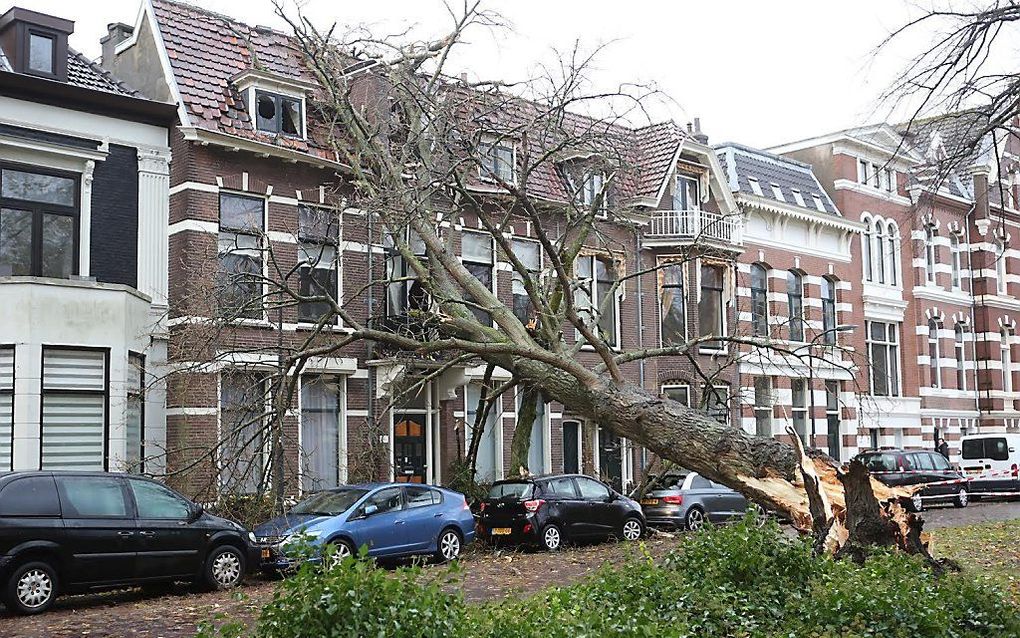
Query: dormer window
x,y
687,195
279,114
777,192
755,185
496,160
42,53
798,197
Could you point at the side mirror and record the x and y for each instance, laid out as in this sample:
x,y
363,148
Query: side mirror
x,y
195,512
612,497
368,510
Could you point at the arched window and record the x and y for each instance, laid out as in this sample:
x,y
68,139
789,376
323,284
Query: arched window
x,y
759,300
795,301
866,240
891,248
934,366
929,253
959,344
829,310
879,253
954,255
1006,357
1000,267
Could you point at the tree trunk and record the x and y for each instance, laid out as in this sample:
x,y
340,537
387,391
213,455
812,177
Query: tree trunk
x,y
520,445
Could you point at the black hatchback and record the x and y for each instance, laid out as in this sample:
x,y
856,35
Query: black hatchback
x,y
66,532
938,480
549,510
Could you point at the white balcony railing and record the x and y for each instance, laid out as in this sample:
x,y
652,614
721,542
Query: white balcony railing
x,y
694,225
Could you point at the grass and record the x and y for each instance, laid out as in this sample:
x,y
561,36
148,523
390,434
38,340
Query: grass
x,y
989,551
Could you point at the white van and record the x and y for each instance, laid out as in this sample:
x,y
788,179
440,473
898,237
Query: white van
x,y
992,461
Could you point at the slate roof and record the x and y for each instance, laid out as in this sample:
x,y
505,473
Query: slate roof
x,y
741,163
84,73
206,50
945,142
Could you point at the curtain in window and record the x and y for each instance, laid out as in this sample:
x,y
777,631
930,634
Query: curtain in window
x,y
242,413
673,306
320,433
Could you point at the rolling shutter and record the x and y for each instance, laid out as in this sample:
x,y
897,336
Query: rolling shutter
x,y
74,409
6,407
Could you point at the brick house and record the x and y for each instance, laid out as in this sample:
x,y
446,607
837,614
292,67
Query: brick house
x,y
83,283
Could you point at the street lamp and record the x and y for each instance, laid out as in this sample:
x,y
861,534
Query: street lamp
x,y
811,369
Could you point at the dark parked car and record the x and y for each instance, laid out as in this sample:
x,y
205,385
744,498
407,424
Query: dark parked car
x,y
549,510
390,519
688,500
64,532
919,467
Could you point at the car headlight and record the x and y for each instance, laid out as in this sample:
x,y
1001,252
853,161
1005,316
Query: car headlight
x,y
252,539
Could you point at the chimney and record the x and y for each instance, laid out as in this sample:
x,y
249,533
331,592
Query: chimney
x,y
117,32
698,135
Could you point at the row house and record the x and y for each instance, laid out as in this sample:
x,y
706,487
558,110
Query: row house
x,y
84,182
252,169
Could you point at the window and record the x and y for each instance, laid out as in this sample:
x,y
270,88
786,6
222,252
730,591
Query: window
x,y
590,187
537,445
529,253
74,409
959,341
799,408
321,435
135,421
319,259
863,170
385,500
487,462
596,275
798,197
42,53
562,487
687,193
755,186
891,250
591,490
242,221
759,300
420,497
711,307
930,254
763,406
241,449
38,224
276,113
1006,359
890,180
884,350
996,449
476,250
934,365
30,496
795,303
832,418
866,241
819,205
777,192
496,161
92,497
829,310
6,409
672,304
155,501
403,292
1000,267
879,268
716,401
954,254
678,393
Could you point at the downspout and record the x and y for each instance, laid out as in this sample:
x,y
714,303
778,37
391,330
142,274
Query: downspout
x,y
973,312
638,246
370,345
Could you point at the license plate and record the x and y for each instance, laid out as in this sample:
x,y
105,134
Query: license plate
x,y
649,501
265,554
501,531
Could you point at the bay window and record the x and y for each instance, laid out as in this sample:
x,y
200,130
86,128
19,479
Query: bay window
x,y
75,399
38,223
884,351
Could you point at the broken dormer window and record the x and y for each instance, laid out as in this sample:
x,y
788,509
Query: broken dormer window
x,y
279,114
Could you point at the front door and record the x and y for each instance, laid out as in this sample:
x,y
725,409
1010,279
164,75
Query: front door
x,y
611,459
100,529
379,523
169,543
409,448
571,445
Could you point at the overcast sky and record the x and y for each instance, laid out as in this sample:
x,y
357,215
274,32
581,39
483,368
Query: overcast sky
x,y
755,72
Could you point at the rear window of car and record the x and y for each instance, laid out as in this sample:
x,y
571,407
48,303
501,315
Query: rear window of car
x,y
994,448
669,482
880,462
511,491
30,496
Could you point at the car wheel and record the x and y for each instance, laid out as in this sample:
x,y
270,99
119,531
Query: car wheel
x,y
32,588
552,537
632,529
334,553
695,519
224,567
962,498
448,546
916,502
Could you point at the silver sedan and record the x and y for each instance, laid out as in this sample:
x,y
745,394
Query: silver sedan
x,y
688,501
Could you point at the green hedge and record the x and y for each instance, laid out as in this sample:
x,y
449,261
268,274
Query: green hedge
x,y
729,582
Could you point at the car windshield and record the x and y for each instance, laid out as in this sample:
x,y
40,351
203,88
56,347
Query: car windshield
x,y
329,503
879,462
510,491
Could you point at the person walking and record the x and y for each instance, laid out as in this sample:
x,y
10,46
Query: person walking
x,y
943,448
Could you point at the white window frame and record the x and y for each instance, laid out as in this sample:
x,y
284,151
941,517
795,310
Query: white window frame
x,y
220,487
546,426
934,354
1000,267
1006,360
7,379
893,352
955,250
721,347
670,386
260,237
252,97
492,257
342,460
763,410
488,153
75,391
960,349
800,411
595,297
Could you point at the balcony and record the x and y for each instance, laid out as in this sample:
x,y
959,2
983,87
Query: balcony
x,y
672,227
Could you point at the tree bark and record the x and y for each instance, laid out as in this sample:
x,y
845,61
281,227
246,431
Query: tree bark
x,y
520,444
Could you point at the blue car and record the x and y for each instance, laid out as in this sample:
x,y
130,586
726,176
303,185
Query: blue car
x,y
390,519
